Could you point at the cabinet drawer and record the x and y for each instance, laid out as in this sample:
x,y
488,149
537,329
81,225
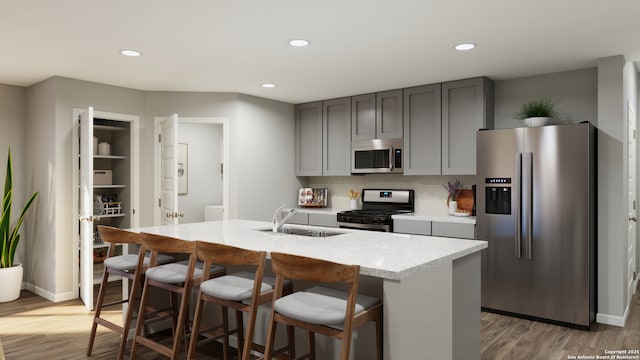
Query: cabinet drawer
x,y
453,229
329,220
412,227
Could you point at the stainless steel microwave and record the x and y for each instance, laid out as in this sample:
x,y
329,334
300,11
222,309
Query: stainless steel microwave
x,y
376,156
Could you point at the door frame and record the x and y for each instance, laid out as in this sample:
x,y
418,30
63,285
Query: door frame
x,y
157,161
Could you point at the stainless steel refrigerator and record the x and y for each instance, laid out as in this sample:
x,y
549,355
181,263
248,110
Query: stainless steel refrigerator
x,y
536,206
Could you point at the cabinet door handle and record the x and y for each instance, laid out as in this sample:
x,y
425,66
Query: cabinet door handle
x,y
169,215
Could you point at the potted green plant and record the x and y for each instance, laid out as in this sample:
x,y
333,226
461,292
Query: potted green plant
x,y
10,273
537,112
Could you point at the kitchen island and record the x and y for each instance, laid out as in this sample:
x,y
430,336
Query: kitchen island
x,y
430,285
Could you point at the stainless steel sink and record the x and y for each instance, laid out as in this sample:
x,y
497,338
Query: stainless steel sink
x,y
302,232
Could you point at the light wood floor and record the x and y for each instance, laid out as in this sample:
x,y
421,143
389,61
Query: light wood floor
x,y
34,328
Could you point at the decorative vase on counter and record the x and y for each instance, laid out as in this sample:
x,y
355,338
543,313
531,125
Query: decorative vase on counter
x,y
453,207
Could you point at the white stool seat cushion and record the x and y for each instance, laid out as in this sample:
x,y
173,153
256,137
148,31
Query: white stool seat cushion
x,y
128,262
235,287
172,273
320,305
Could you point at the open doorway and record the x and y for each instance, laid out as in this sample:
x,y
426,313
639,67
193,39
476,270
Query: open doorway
x,y
202,157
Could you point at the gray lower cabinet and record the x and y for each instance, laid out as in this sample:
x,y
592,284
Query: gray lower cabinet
x,y
467,106
415,227
328,220
302,217
435,228
363,117
422,130
389,114
309,139
299,218
336,137
453,229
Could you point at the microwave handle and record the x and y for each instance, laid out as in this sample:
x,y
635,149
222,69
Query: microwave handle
x,y
391,152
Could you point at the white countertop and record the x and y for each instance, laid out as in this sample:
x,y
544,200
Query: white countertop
x,y
436,217
384,255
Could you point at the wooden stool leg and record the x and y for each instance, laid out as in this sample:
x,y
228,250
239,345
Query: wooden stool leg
x,y
312,345
225,329
379,337
182,318
196,327
98,310
291,338
141,317
243,341
127,320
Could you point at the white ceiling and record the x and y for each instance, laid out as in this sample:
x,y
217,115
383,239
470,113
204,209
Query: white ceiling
x,y
357,46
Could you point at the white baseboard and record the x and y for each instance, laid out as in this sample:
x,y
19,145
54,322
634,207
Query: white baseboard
x,y
612,319
55,297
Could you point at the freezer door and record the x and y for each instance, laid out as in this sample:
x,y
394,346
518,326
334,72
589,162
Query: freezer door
x,y
556,225
498,171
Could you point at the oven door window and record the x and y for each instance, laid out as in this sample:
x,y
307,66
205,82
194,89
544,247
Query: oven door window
x,y
372,159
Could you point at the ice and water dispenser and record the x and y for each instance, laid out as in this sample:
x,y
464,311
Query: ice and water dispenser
x,y
498,196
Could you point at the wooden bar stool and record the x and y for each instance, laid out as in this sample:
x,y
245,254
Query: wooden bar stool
x,y
174,277
129,266
243,291
326,311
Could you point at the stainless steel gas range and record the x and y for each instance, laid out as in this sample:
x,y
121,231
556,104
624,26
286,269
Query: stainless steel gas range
x,y
378,205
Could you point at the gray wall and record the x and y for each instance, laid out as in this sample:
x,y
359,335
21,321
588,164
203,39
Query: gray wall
x,y
205,178
614,87
13,117
261,157
575,94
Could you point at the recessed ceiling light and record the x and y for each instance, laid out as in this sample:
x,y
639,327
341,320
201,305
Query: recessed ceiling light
x,y
268,85
129,52
299,42
463,47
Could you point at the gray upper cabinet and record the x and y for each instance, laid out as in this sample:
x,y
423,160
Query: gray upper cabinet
x,y
309,139
467,106
422,130
336,133
363,117
389,114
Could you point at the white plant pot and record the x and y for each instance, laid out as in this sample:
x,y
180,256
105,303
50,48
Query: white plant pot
x,y
453,207
10,283
537,121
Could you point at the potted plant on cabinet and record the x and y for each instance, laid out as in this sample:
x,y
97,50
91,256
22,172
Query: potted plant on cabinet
x,y
10,273
537,112
454,190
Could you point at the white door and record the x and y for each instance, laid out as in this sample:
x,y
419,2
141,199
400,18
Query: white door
x,y
86,207
169,170
631,254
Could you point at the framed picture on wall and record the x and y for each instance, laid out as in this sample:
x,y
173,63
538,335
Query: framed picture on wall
x,y
183,168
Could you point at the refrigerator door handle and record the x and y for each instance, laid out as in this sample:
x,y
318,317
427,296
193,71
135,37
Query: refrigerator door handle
x,y
528,203
517,204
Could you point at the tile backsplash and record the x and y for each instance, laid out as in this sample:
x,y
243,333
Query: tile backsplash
x,y
430,197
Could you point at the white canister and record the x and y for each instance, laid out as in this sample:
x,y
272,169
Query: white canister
x,y
354,204
95,145
104,148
